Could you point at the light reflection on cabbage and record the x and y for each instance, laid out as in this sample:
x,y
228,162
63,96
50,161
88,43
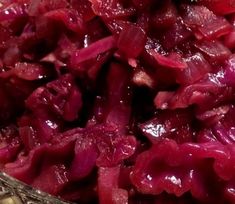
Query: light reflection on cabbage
x,y
116,101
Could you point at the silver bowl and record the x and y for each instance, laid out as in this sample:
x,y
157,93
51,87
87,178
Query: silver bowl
x,y
13,191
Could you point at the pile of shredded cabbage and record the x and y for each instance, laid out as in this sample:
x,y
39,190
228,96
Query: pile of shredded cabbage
x,y
119,101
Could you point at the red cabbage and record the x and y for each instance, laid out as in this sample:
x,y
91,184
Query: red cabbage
x,y
197,67
176,34
12,12
177,169
174,124
214,50
219,7
114,101
26,71
93,51
131,41
165,16
69,17
108,188
174,60
204,23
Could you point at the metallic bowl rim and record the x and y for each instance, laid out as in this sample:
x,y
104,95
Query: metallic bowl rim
x,y
11,187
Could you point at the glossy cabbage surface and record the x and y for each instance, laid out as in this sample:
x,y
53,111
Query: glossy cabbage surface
x,y
119,101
